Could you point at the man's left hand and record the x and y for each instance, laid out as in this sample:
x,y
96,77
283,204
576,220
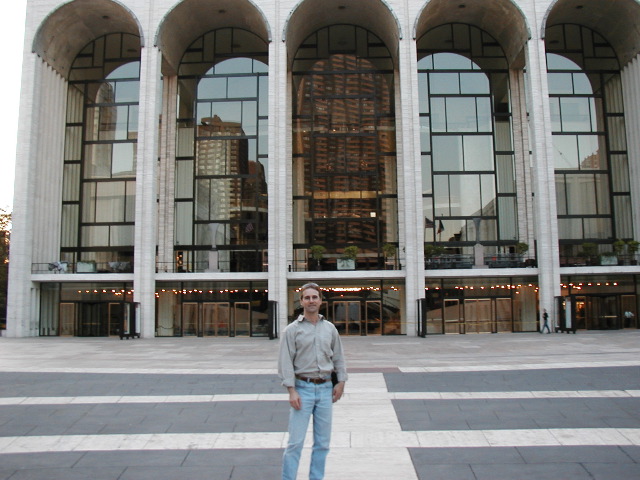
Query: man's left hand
x,y
338,390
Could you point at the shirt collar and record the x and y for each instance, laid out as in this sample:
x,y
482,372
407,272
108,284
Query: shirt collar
x,y
301,318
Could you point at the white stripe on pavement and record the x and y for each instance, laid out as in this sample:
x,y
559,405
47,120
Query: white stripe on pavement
x,y
272,397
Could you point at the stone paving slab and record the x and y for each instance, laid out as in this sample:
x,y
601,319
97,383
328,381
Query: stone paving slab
x,y
477,407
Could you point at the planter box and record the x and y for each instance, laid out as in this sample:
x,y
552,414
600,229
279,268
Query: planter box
x,y
346,264
85,267
608,260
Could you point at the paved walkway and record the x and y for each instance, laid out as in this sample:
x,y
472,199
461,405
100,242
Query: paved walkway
x,y
508,406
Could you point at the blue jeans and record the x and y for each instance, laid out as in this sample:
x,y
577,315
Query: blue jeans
x,y
317,401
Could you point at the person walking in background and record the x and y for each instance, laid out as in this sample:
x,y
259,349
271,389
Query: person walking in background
x,y
545,319
310,350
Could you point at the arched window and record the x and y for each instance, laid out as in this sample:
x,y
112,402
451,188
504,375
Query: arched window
x,y
344,154
98,197
589,140
468,180
221,154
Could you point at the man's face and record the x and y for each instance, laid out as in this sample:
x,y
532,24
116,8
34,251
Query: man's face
x,y
310,300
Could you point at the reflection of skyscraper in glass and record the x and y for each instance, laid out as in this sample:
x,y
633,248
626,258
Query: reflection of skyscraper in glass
x,y
235,187
341,104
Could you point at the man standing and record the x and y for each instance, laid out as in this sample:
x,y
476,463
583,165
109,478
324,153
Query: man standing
x,y
545,319
310,350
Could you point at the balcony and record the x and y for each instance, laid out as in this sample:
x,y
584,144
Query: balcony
x,y
82,267
448,261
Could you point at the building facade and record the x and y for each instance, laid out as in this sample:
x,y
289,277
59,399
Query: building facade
x,y
437,167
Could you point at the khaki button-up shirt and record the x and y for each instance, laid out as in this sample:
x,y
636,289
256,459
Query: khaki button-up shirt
x,y
311,351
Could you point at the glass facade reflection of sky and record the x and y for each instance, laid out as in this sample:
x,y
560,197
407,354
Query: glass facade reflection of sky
x,y
588,128
462,107
98,201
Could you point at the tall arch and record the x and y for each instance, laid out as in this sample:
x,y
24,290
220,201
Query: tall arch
x,y
502,19
312,15
72,26
191,19
617,20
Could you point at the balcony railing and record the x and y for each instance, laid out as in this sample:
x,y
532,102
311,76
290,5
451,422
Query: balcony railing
x,y
331,262
599,260
82,267
496,260
449,261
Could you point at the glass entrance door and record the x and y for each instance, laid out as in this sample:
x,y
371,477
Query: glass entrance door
x,y
190,319
504,316
67,319
477,315
116,319
93,320
373,320
603,313
580,312
453,320
629,313
346,317
215,319
242,319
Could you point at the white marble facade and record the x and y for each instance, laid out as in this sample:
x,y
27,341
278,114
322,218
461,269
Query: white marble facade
x,y
57,30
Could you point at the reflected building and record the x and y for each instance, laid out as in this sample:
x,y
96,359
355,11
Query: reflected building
x,y
437,168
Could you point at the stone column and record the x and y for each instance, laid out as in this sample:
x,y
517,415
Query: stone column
x,y
146,191
410,218
280,249
631,92
544,200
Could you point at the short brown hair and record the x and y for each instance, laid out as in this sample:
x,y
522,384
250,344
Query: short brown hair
x,y
313,286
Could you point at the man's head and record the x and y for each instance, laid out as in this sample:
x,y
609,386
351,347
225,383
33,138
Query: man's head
x,y
313,286
310,300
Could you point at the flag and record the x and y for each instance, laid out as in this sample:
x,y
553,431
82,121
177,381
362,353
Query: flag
x,y
428,223
440,226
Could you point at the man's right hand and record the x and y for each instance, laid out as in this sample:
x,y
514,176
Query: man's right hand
x,y
294,398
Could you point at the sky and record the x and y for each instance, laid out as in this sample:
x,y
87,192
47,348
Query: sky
x,y
11,34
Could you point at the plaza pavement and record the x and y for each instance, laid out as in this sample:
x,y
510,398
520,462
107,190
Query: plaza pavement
x,y
507,406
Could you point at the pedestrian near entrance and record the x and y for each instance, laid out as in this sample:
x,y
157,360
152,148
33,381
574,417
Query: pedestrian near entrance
x,y
545,319
310,350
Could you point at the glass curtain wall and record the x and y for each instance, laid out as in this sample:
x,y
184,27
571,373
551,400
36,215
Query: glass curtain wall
x,y
221,154
468,180
589,140
344,153
98,196
206,309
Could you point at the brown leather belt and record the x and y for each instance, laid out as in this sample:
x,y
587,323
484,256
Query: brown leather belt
x,y
317,381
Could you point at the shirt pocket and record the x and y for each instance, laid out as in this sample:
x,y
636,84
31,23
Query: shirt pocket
x,y
327,351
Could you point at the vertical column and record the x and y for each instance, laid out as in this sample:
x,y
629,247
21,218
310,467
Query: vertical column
x,y
521,149
146,191
166,174
20,291
631,92
411,221
546,223
280,208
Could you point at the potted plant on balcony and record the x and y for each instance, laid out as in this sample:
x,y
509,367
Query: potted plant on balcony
x,y
618,250
432,253
317,252
521,248
608,258
389,250
632,249
348,259
589,252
